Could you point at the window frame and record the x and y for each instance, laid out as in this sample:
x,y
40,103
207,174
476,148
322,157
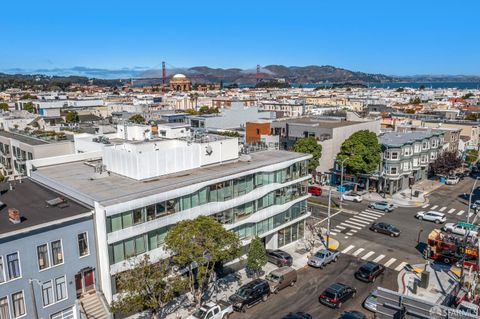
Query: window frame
x,y
53,255
8,305
65,286
13,305
3,272
87,243
52,293
48,257
19,265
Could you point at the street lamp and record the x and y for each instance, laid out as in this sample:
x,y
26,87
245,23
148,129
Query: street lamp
x,y
470,199
341,181
34,301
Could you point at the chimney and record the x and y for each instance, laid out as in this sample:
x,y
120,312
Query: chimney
x,y
14,215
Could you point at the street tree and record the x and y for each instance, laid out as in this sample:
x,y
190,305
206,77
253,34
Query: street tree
x,y
4,107
137,119
257,256
201,244
147,286
29,107
445,163
471,156
71,117
360,153
309,145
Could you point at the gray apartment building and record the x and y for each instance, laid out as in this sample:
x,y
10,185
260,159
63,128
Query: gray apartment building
x,y
17,148
47,254
406,156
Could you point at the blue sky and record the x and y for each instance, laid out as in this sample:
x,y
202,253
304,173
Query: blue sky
x,y
391,37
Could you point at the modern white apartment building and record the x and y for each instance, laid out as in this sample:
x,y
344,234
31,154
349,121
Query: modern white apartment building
x,y
139,189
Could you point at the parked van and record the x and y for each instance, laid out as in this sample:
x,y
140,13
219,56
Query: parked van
x,y
281,278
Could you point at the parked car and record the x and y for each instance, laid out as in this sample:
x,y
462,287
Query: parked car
x,y
384,228
281,278
369,271
279,257
298,315
323,257
476,204
211,310
370,302
461,229
352,197
336,294
383,205
353,315
250,294
432,216
315,190
452,180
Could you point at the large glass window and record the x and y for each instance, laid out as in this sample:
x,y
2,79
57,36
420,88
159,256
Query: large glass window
x,y
57,252
47,293
83,244
129,248
42,254
60,288
18,304
13,263
116,222
4,311
118,253
2,270
127,219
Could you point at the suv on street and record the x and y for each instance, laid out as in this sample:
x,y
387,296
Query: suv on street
x,y
335,295
279,257
452,180
461,228
211,310
369,272
476,204
383,205
323,257
250,294
352,197
281,278
298,315
384,228
371,302
315,190
432,216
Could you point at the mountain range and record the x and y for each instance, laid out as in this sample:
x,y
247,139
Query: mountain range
x,y
291,74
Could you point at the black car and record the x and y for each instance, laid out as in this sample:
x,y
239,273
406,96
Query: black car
x,y
279,257
335,295
369,272
385,228
250,294
353,315
298,315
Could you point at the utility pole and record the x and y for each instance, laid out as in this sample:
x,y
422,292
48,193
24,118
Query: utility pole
x,y
328,215
470,200
341,183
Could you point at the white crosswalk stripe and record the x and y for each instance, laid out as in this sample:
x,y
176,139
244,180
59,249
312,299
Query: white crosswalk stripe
x,y
425,206
400,267
358,251
389,262
460,213
359,221
470,215
349,225
379,258
346,250
376,212
433,207
451,210
341,227
443,208
367,214
365,257
333,233
367,217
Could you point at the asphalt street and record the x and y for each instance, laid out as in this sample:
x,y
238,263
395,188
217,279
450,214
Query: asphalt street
x,y
358,244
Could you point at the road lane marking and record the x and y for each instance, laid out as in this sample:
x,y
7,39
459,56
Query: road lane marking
x,y
361,222
350,234
358,251
470,215
353,231
346,250
460,213
350,226
370,215
366,219
332,233
377,212
443,208
433,207
340,227
368,255
376,260
425,206
451,210
400,267
389,262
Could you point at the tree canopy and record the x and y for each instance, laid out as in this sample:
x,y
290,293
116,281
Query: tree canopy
x,y
471,156
309,145
29,107
415,100
257,256
445,163
137,119
4,106
200,244
468,95
147,286
361,152
71,117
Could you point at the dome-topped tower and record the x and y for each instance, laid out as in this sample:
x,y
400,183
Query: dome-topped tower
x,y
179,82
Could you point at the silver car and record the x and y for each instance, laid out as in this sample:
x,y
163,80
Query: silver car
x,y
371,302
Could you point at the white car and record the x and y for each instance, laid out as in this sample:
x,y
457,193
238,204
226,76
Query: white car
x,y
461,229
352,197
432,216
452,180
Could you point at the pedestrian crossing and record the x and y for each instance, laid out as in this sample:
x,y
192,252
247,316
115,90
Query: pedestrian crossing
x,y
449,211
370,255
352,225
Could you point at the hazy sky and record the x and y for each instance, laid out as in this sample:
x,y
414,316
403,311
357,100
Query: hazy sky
x,y
393,37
